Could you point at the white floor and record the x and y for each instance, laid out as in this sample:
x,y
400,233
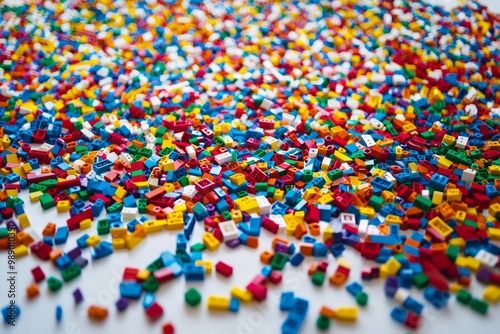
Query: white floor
x,y
494,5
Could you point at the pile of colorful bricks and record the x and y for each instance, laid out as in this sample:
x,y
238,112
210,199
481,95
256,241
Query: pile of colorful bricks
x,y
328,123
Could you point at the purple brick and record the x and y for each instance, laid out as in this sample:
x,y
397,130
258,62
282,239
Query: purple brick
x,y
281,248
233,243
77,295
121,304
74,253
81,262
391,286
483,275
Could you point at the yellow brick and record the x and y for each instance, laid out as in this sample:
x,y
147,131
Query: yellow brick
x,y
63,206
93,241
342,262
444,163
346,313
118,243
244,296
12,158
20,251
131,241
473,264
437,197
237,179
12,192
341,157
440,226
247,204
27,168
327,233
180,208
120,192
143,274
24,221
236,216
461,261
393,219
460,216
455,287
217,303
459,242
85,224
210,241
492,294
205,263
150,227
494,209
393,266
175,224
448,140
453,195
117,232
35,196
494,233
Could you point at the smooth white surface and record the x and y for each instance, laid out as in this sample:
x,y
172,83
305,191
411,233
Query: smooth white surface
x,y
99,284
493,5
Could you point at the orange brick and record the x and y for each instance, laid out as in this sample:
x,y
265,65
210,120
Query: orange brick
x,y
49,230
327,312
314,229
253,242
54,254
266,257
97,313
300,231
306,249
337,279
24,238
311,269
32,291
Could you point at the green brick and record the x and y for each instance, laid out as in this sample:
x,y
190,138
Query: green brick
x,y
198,247
335,174
151,284
452,252
318,278
103,226
136,173
4,232
72,272
420,280
270,192
141,205
376,202
278,262
192,297
479,306
464,297
54,284
48,183
117,207
261,186
156,265
470,223
37,187
47,201
84,195
362,298
422,203
323,322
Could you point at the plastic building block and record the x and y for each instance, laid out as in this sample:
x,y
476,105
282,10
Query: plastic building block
x,y
223,269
